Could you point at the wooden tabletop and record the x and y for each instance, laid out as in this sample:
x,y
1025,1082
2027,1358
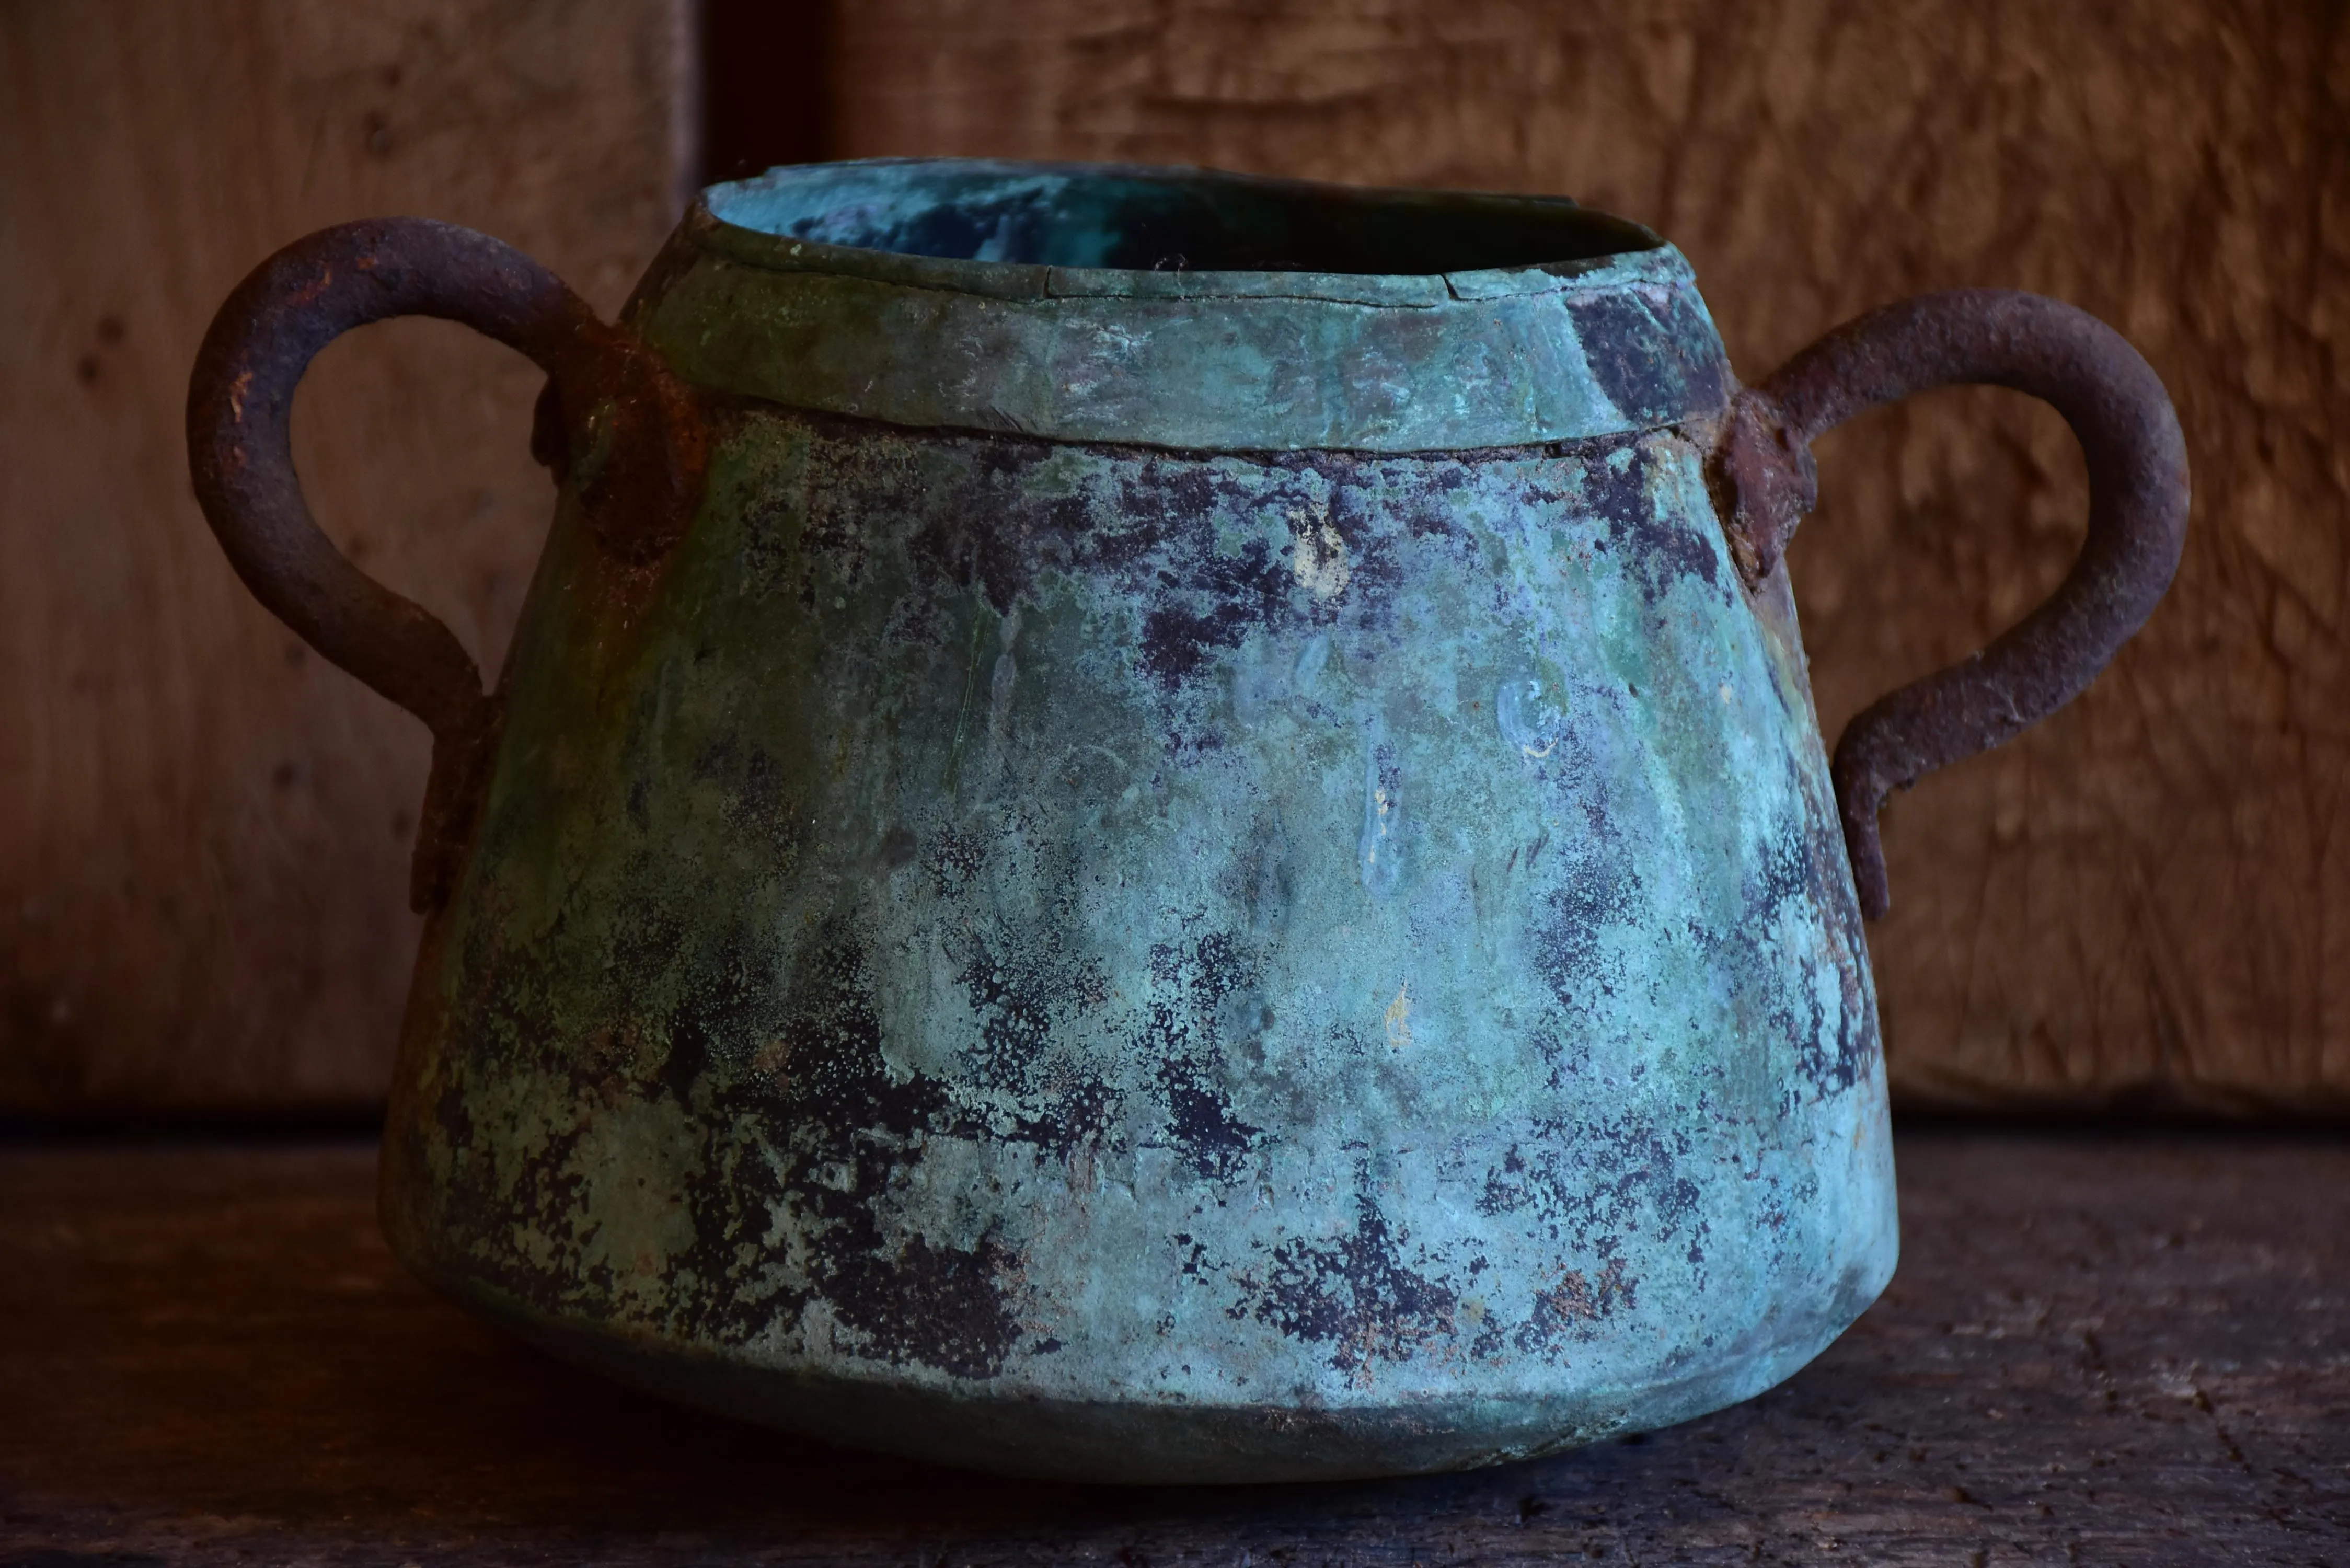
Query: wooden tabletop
x,y
2110,1349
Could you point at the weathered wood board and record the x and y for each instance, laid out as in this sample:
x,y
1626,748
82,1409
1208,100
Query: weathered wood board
x,y
206,829
2098,1350
2145,901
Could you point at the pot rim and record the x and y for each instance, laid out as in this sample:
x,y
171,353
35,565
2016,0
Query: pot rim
x,y
1610,343
778,221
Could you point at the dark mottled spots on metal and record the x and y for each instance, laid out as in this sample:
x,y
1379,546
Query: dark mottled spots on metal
x,y
1655,538
1163,497
828,1046
1356,1295
1575,1305
936,1305
955,858
1428,509
850,1123
804,1058
1569,950
1598,1181
1808,870
768,545
1079,1113
1216,1142
1012,1003
1212,607
833,543
1194,987
727,998
1646,365
1005,527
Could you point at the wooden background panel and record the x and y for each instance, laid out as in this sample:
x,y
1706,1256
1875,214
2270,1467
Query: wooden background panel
x,y
203,858
2147,900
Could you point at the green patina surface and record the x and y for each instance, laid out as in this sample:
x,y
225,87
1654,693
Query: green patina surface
x,y
1090,343
1155,964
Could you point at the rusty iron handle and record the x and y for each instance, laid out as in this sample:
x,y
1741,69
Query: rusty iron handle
x,y
623,429
2137,519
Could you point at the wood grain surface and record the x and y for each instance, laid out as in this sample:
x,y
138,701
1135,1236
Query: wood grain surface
x,y
2098,1349
2144,902
206,829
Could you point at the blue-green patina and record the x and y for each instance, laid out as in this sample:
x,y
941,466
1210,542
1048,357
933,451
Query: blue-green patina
x,y
1070,328
1190,874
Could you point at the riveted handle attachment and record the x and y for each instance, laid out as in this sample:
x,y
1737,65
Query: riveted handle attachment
x,y
2137,518
614,421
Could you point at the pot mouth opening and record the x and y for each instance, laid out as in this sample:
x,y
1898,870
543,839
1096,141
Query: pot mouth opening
x,y
1140,219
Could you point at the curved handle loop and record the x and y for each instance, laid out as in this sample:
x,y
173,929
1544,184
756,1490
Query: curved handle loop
x,y
2137,519
630,443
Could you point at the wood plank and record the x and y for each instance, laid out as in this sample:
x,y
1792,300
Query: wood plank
x,y
2148,899
2098,1348
202,861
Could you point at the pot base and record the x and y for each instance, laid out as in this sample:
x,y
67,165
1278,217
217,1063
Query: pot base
x,y
1147,1443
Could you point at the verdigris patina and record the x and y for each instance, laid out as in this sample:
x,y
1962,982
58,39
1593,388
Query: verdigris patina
x,y
1198,864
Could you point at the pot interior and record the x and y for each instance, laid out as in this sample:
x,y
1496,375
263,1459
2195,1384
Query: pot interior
x,y
1135,218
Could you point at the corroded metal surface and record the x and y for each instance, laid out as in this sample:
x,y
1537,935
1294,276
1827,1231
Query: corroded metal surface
x,y
1596,329
2137,518
1127,924
1092,961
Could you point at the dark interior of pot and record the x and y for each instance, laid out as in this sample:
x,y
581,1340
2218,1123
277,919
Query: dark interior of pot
x,y
1130,217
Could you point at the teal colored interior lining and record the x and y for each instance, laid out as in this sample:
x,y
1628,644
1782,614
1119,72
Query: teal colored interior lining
x,y
1132,218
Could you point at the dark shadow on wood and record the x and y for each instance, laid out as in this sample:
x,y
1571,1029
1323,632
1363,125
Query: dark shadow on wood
x,y
765,65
